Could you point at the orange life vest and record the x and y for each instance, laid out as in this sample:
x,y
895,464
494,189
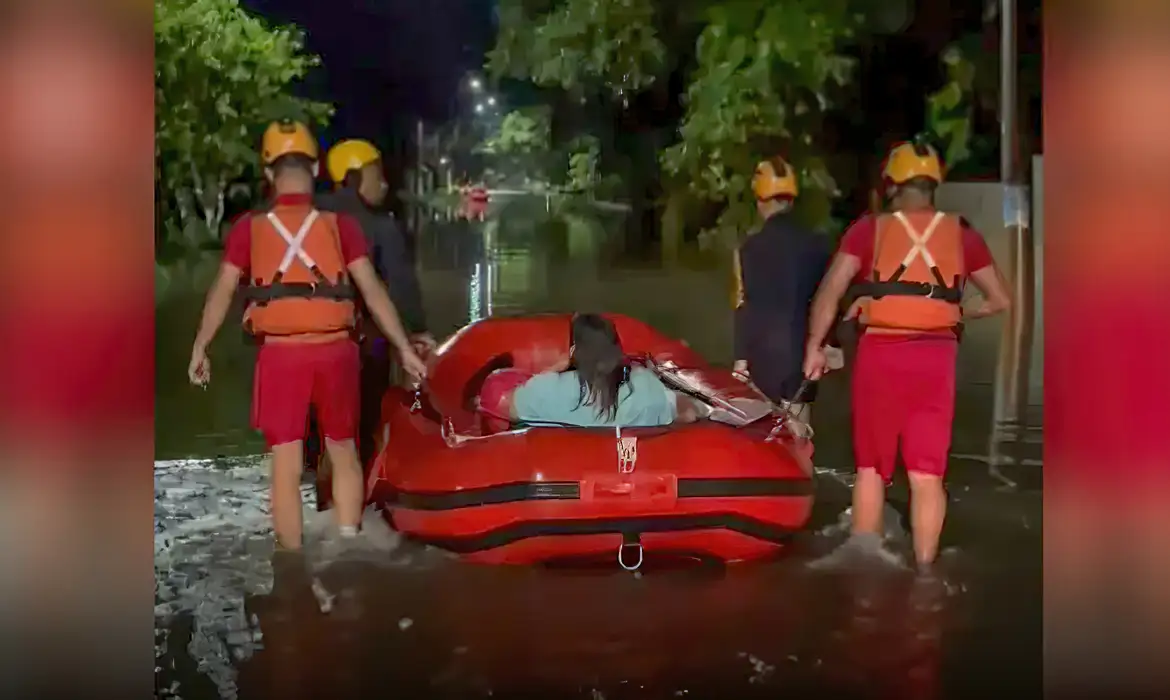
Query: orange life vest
x,y
299,285
916,284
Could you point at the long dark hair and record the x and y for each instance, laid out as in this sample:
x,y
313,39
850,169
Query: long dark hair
x,y
599,362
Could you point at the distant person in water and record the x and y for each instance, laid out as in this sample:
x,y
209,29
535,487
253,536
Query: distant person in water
x,y
593,387
777,271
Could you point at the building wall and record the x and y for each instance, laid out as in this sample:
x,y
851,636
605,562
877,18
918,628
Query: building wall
x,y
982,204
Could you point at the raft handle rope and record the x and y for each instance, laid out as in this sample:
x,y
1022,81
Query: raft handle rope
x,y
454,439
622,559
627,452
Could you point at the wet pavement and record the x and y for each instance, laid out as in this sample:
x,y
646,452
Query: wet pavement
x,y
410,621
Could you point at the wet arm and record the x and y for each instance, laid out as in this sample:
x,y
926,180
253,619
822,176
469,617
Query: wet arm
x,y
990,283
739,322
219,300
827,302
378,302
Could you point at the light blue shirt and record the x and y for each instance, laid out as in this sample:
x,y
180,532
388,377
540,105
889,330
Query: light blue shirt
x,y
643,401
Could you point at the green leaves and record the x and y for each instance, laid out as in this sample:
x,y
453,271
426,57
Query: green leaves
x,y
524,131
579,44
767,73
950,110
221,75
520,144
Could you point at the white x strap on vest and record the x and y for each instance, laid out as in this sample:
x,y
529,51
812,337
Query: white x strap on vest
x,y
918,241
295,243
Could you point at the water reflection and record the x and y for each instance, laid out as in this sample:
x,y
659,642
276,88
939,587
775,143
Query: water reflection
x,y
463,631
421,624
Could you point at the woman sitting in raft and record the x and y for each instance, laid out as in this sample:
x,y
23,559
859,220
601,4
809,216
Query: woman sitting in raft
x,y
594,388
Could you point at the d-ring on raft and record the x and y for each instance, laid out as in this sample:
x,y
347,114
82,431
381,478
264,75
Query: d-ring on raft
x,y
622,559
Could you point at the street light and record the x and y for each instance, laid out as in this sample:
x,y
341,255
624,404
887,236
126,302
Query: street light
x,y
476,84
491,101
479,108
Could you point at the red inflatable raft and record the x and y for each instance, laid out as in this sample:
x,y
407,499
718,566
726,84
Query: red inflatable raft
x,y
540,494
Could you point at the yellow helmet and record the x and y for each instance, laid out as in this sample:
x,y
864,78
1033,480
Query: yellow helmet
x,y
774,178
284,137
910,160
351,154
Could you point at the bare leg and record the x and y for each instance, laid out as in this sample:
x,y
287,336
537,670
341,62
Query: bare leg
x,y
348,487
287,465
928,510
865,538
869,500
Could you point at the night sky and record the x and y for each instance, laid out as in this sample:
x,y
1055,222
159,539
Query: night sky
x,y
387,63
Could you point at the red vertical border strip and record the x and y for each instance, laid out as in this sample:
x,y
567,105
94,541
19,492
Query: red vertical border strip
x,y
1107,379
76,345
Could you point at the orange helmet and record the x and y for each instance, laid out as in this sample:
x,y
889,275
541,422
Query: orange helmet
x,y
284,137
774,178
911,160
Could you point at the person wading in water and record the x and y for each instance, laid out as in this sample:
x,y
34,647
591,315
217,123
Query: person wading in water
x,y
356,168
777,271
908,269
304,270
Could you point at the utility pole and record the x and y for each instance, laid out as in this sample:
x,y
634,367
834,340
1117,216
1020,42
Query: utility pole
x,y
1011,382
419,160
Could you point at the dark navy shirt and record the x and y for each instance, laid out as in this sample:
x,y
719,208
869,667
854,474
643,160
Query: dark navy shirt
x,y
780,268
391,252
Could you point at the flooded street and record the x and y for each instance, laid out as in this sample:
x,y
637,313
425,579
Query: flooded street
x,y
405,621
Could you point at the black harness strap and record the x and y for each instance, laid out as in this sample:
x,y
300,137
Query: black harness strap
x,y
878,289
261,294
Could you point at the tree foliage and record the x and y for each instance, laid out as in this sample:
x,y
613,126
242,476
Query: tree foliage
x,y
519,146
579,45
972,89
221,74
949,111
764,76
584,152
521,132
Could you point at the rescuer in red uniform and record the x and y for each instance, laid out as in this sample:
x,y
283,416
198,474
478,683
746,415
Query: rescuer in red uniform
x,y
908,269
303,270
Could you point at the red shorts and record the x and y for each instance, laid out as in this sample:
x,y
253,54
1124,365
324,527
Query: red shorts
x,y
292,376
495,397
903,389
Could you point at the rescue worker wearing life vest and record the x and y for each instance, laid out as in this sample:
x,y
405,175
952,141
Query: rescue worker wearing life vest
x,y
356,169
908,269
304,270
777,271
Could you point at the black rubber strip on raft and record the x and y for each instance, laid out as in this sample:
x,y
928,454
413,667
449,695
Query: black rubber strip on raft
x,y
630,528
743,488
490,495
521,491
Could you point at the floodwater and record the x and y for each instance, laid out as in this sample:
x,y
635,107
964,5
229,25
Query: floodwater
x,y
402,620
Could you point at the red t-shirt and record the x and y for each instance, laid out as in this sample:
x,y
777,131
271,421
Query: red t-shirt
x,y
237,245
859,241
